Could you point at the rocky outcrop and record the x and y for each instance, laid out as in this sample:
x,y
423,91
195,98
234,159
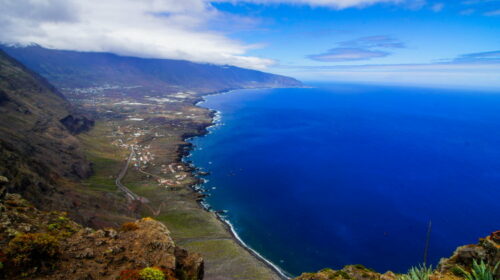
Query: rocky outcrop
x,y
349,272
48,245
77,124
487,250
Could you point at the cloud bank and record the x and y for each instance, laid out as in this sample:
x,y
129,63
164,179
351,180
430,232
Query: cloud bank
x,y
472,70
480,57
347,54
147,28
336,4
359,49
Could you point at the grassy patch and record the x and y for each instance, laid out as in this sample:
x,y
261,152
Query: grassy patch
x,y
107,159
185,223
226,258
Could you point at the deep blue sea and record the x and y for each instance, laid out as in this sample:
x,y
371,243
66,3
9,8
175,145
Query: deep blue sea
x,y
347,174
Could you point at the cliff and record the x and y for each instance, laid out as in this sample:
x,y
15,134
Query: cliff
x,y
456,267
39,153
35,147
48,245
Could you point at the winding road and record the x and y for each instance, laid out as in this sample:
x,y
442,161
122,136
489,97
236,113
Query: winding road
x,y
130,195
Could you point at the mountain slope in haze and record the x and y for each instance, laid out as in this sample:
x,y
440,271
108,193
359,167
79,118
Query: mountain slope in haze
x,y
30,113
39,154
71,69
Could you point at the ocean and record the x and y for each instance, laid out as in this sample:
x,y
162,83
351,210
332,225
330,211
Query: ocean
x,y
352,174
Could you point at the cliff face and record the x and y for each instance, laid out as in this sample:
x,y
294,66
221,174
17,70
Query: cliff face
x,y
35,147
487,250
77,125
39,154
47,245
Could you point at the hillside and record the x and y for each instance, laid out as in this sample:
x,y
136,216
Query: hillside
x,y
71,69
31,110
39,153
156,129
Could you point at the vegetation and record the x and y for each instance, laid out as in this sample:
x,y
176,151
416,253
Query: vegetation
x,y
341,274
61,227
148,273
417,273
362,267
151,273
31,249
480,271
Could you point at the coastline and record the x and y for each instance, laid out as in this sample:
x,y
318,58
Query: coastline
x,y
216,121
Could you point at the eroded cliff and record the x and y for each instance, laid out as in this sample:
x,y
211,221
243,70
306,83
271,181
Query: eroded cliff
x,y
48,245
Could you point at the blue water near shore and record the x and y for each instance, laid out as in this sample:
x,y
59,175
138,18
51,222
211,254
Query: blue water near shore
x,y
346,174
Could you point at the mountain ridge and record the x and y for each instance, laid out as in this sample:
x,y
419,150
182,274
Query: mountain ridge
x,y
72,69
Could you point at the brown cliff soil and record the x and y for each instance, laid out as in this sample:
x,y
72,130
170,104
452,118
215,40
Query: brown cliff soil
x,y
48,245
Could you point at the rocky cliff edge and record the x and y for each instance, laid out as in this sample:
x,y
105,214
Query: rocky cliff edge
x,y
47,245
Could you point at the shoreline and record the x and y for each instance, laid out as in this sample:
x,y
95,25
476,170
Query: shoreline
x,y
215,121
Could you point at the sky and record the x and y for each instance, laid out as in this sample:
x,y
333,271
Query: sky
x,y
440,43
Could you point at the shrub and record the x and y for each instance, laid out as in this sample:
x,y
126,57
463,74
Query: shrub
x,y
32,249
417,273
362,267
457,271
342,274
129,226
169,274
61,227
480,271
134,274
52,227
151,273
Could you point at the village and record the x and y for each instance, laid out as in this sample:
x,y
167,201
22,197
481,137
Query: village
x,y
130,137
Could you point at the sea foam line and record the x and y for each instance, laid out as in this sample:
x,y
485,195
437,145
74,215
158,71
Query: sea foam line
x,y
276,268
217,121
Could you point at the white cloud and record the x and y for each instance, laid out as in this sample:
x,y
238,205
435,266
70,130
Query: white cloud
x,y
147,28
336,4
438,7
471,75
492,13
467,12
